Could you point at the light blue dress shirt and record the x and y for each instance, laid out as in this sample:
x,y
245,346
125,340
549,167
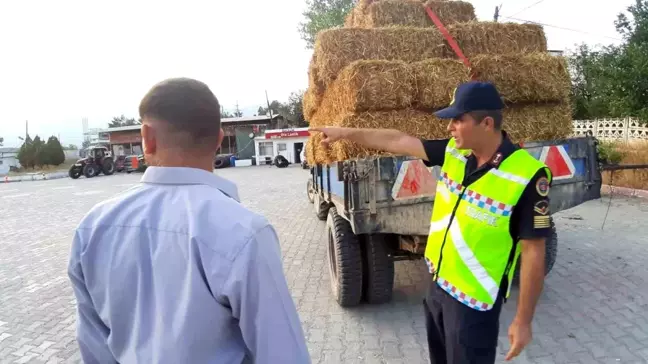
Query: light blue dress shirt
x,y
176,270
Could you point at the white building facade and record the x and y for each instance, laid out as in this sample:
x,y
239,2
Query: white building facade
x,y
286,142
8,159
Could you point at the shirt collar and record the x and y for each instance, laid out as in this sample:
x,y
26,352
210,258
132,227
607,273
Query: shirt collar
x,y
505,149
189,176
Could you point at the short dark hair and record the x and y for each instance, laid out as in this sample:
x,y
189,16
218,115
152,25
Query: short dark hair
x,y
480,115
184,105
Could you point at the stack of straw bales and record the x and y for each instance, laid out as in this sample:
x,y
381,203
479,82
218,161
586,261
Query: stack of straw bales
x,y
390,67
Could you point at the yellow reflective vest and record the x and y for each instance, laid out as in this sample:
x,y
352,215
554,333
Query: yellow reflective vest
x,y
470,248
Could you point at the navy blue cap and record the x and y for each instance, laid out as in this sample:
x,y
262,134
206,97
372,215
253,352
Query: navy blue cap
x,y
472,96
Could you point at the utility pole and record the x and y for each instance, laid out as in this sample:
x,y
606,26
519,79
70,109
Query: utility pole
x,y
497,12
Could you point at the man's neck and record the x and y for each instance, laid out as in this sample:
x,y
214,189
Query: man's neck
x,y
206,164
485,152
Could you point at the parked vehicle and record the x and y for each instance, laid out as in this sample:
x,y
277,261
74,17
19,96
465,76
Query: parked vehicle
x,y
378,211
99,160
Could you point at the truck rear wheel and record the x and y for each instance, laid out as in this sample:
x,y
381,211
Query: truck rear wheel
x,y
321,208
310,191
379,269
551,252
345,260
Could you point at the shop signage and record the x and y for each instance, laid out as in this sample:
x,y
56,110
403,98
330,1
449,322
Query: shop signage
x,y
287,133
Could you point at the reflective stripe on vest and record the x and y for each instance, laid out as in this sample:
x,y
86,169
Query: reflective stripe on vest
x,y
469,244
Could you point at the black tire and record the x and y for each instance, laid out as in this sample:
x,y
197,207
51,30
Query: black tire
x,y
310,192
378,269
551,252
281,162
74,173
345,260
221,163
90,170
108,167
321,207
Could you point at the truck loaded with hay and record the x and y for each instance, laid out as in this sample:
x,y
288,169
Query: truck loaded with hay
x,y
392,63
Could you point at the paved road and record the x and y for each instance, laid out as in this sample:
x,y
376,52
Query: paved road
x,y
594,308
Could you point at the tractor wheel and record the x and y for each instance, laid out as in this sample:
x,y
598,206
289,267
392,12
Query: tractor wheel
x,y
551,252
321,208
310,192
345,260
74,173
90,170
378,269
108,167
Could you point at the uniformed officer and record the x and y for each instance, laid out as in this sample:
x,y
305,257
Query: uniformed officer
x,y
491,205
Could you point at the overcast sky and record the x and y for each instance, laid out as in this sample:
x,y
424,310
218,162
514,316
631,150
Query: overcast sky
x,y
61,61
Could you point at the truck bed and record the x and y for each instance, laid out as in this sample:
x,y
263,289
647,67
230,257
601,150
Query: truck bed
x,y
394,195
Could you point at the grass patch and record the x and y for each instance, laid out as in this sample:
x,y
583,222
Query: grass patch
x,y
623,154
44,169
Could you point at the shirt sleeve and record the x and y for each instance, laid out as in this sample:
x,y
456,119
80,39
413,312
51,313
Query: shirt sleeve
x,y
92,333
435,151
258,295
533,208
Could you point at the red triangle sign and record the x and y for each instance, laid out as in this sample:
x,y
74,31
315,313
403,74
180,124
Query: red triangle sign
x,y
414,180
557,159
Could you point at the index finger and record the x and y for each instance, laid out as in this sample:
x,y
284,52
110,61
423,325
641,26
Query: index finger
x,y
514,351
315,128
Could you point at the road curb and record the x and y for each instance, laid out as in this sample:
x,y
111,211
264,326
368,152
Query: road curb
x,y
624,191
35,177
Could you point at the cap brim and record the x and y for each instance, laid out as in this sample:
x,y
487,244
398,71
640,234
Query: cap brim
x,y
449,113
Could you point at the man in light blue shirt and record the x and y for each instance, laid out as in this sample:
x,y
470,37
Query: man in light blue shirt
x,y
176,270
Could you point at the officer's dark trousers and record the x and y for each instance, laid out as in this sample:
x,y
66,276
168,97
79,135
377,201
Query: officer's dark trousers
x,y
458,334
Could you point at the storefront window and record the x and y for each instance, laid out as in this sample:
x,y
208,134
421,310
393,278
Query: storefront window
x,y
265,148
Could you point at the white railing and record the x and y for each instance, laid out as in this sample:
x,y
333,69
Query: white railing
x,y
626,130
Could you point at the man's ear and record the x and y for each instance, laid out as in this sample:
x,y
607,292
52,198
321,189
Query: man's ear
x,y
221,136
149,142
489,123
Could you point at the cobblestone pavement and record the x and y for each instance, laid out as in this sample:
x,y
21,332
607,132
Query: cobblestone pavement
x,y
594,308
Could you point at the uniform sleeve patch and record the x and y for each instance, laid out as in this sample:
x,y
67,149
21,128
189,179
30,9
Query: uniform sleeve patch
x,y
541,208
542,186
541,222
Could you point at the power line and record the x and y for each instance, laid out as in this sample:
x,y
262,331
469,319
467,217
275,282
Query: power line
x,y
527,8
563,28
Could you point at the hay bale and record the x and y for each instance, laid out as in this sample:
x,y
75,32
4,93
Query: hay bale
x,y
370,85
338,48
538,122
335,49
409,13
322,153
522,123
435,81
311,102
374,85
477,38
529,78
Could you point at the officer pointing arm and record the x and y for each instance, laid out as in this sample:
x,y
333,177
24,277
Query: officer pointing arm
x,y
491,204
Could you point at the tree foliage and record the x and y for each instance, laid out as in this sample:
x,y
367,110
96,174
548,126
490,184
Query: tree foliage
x,y
36,153
321,15
613,81
292,110
122,120
1,141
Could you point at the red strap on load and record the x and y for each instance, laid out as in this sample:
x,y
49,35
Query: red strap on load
x,y
453,44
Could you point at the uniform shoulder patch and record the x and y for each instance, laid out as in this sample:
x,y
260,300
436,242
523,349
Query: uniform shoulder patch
x,y
542,186
541,208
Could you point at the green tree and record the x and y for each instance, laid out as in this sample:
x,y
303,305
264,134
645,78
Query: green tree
x,y
40,153
1,141
55,153
321,15
122,120
72,147
225,114
26,154
612,81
